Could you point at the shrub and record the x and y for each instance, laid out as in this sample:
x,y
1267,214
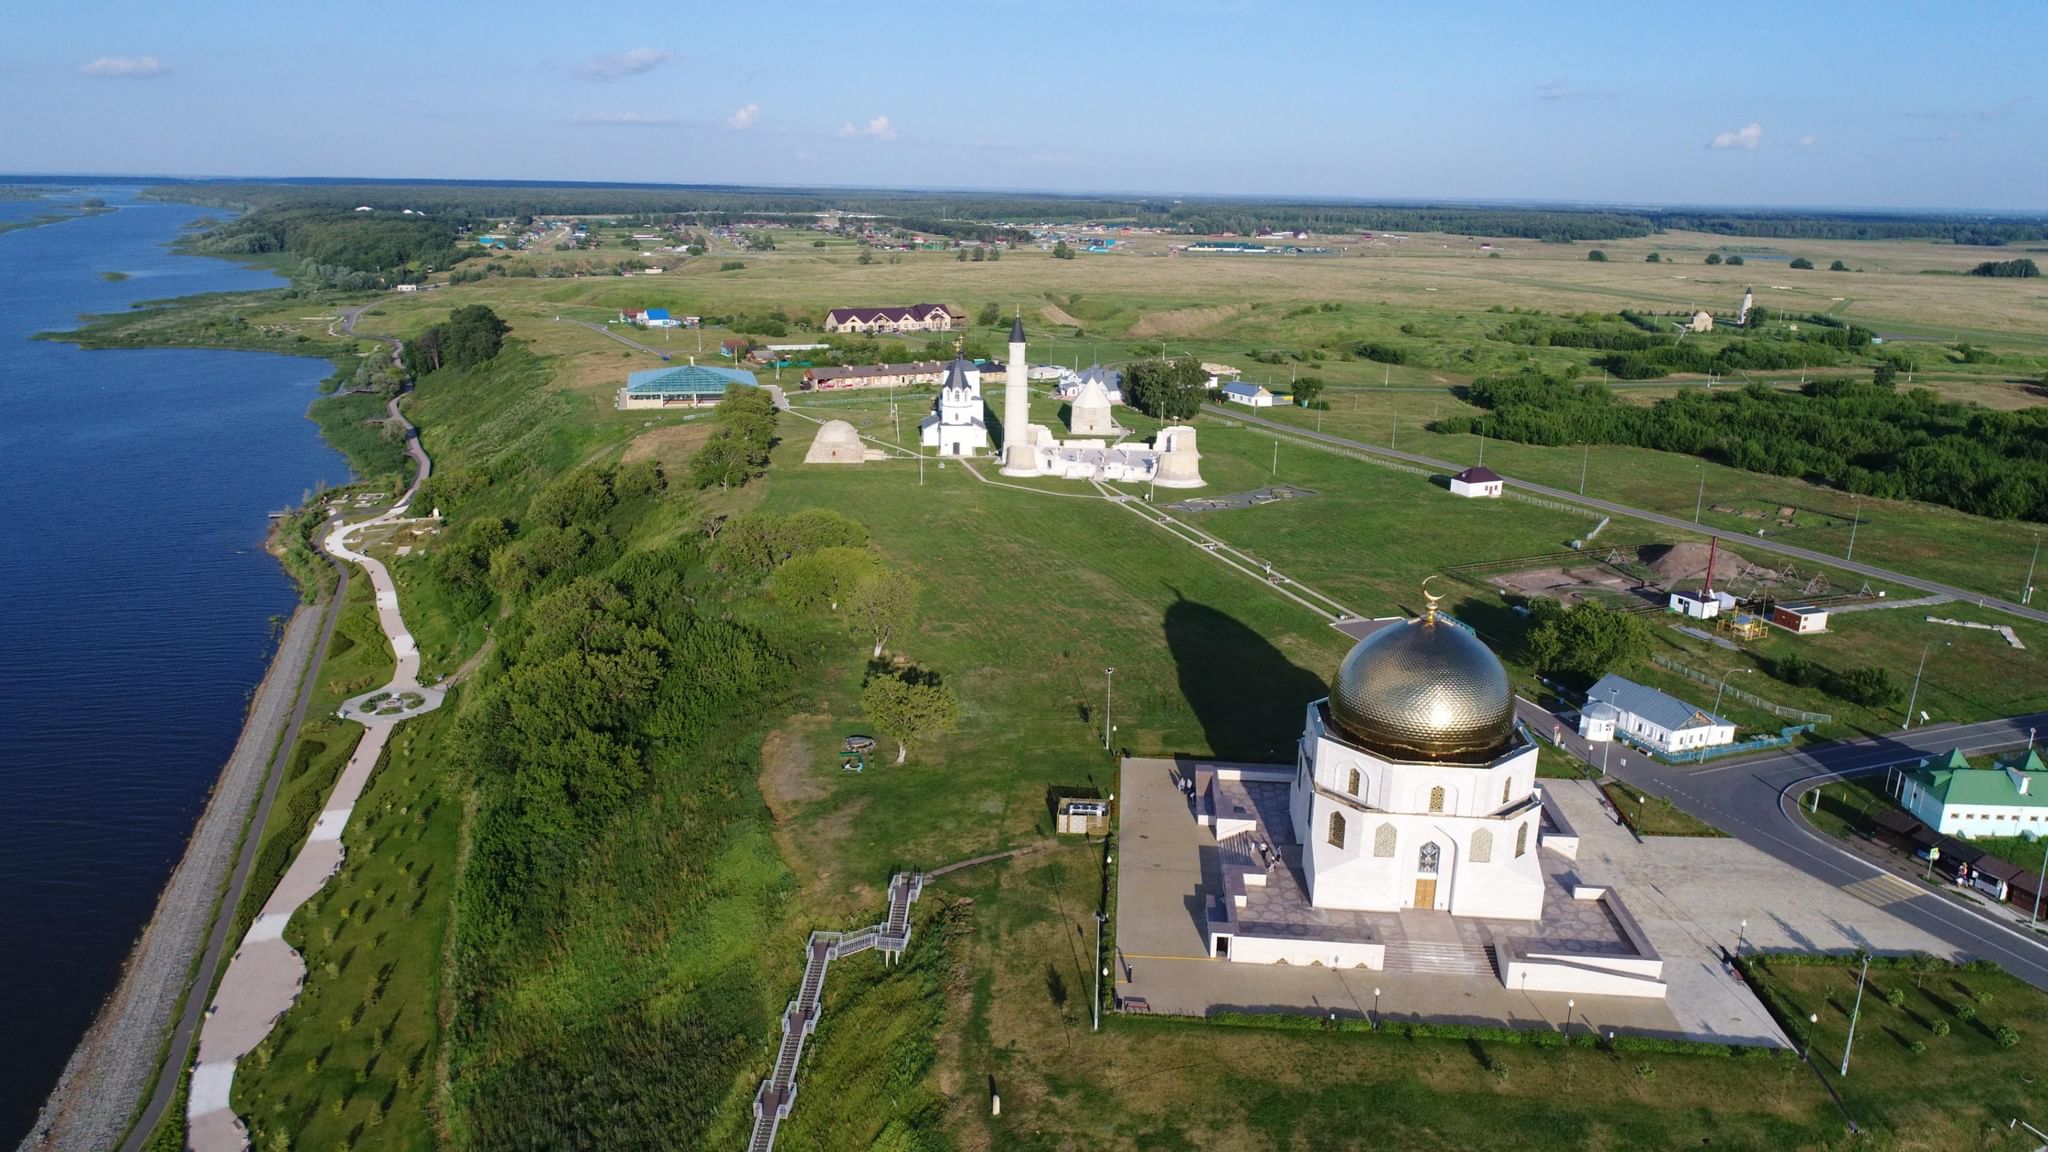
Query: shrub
x,y
1896,997
1919,1047
1802,263
1966,1012
1838,266
1597,256
1940,1028
1713,257
1653,258
2008,1036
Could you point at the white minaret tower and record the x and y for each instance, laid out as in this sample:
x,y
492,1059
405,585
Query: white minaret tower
x,y
1018,457
1748,301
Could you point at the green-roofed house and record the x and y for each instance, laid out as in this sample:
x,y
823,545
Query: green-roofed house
x,y
1956,798
686,385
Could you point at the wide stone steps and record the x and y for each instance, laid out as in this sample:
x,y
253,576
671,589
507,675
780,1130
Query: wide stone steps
x,y
1424,958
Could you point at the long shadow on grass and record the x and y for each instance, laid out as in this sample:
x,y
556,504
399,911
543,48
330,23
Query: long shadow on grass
x,y
1245,693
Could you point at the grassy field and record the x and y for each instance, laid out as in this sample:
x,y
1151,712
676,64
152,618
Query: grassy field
x,y
1654,815
1960,1087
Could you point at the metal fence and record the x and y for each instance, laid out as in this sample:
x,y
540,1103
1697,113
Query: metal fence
x,y
1779,710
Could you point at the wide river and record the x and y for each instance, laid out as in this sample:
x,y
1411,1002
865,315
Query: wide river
x,y
136,601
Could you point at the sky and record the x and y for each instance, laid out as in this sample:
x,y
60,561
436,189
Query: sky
x,y
1873,104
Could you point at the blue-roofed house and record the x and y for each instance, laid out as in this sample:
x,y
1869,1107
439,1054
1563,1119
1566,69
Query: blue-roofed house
x,y
1249,395
1655,719
686,386
658,318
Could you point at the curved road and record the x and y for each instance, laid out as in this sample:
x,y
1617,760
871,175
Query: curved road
x,y
1752,800
1749,543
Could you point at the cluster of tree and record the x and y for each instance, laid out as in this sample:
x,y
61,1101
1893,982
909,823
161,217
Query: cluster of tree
x,y
1801,263
908,704
1379,352
1607,338
1597,256
1732,261
1166,389
1776,352
1061,250
980,254
378,374
2022,268
737,450
374,244
992,216
1846,432
472,335
1870,686
1585,640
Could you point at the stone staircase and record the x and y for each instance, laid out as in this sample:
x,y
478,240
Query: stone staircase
x,y
1432,958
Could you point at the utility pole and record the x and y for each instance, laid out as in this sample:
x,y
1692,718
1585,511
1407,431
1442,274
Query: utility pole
x,y
1108,697
1857,1011
1585,457
1394,438
1914,698
1276,458
1855,518
1700,499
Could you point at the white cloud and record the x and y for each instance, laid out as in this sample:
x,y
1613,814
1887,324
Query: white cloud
x,y
1553,90
878,128
1807,142
744,118
631,63
624,119
1748,136
137,67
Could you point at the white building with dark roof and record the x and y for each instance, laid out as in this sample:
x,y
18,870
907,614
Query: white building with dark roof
x,y
1657,720
958,424
1477,481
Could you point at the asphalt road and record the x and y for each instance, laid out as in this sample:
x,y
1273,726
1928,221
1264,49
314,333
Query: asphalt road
x,y
1749,543
1752,798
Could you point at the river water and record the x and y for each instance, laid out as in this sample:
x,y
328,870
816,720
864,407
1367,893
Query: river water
x,y
136,601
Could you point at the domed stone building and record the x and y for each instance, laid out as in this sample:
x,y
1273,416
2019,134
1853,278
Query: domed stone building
x,y
1414,788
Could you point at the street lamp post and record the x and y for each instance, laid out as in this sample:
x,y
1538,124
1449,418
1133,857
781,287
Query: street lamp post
x,y
1812,1026
1701,499
1108,698
1099,970
1716,709
1570,1006
1914,699
1741,934
1854,1013
1375,1009
2027,590
1855,518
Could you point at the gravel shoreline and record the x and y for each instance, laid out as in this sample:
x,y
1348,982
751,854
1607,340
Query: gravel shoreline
x,y
109,1073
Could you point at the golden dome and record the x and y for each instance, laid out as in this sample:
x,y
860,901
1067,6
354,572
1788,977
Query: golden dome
x,y
1425,690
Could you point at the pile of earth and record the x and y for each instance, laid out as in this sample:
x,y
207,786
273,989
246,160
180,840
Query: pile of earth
x,y
1673,564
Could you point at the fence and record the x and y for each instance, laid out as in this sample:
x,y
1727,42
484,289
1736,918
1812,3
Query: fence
x,y
1779,710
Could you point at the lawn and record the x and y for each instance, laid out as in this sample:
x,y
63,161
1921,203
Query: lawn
x,y
1654,815
1962,1088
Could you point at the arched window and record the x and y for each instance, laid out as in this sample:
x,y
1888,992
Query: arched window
x,y
1383,840
1521,839
1336,829
1436,798
1426,861
1354,781
1505,785
1482,847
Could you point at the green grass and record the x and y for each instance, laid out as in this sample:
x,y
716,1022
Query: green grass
x,y
1654,815
355,426
353,1062
1963,1090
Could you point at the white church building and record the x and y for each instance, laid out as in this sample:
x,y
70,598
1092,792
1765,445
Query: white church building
x,y
958,423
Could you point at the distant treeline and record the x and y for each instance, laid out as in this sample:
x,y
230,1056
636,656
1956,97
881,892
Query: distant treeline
x,y
958,213
1849,433
2010,269
1639,350
341,246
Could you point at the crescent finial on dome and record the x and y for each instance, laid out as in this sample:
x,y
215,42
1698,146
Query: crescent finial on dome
x,y
1429,612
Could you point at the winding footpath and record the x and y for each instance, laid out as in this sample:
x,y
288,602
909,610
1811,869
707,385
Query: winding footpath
x,y
265,975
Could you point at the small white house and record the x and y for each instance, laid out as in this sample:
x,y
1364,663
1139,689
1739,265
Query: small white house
x,y
1249,395
1955,798
1695,605
1657,720
1476,482
1597,720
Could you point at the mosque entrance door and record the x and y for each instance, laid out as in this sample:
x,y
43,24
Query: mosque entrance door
x,y
1425,892
1427,861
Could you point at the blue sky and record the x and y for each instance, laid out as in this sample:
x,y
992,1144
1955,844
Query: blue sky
x,y
1869,104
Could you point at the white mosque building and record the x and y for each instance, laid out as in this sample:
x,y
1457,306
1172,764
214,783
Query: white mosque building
x,y
958,423
1410,831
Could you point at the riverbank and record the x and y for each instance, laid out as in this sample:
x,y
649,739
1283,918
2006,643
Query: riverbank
x,y
112,1067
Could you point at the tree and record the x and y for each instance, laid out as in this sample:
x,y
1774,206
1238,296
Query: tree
x,y
990,315
866,257
908,706
961,255
1802,263
884,602
1166,389
472,336
1713,257
2022,268
1870,686
1653,258
1061,251
1838,266
1308,390
1885,375
1586,639
1734,261
826,576
1597,256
